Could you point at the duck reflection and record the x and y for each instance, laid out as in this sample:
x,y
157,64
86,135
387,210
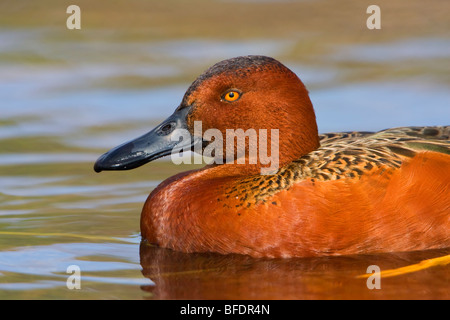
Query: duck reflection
x,y
178,275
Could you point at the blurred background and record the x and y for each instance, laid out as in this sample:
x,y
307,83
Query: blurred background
x,y
67,96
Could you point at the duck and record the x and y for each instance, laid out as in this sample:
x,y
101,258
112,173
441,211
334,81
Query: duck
x,y
328,194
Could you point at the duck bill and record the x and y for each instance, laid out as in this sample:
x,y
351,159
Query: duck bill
x,y
155,144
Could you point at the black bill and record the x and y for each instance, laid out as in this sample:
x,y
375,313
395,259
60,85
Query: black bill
x,y
155,144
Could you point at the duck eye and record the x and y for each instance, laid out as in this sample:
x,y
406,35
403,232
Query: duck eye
x,y
231,96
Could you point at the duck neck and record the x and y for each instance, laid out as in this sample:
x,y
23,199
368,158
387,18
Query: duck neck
x,y
279,153
298,133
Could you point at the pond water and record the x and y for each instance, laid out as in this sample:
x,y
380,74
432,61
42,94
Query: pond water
x,y
63,102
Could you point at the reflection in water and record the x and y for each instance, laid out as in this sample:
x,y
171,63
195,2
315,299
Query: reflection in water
x,y
211,276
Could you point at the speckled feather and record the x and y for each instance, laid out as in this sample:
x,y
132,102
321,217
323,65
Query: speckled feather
x,y
345,155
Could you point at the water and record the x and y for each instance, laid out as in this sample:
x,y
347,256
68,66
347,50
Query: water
x,y
64,100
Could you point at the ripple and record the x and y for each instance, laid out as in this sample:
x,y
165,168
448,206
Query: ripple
x,y
52,261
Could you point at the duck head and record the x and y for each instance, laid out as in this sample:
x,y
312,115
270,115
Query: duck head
x,y
243,93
